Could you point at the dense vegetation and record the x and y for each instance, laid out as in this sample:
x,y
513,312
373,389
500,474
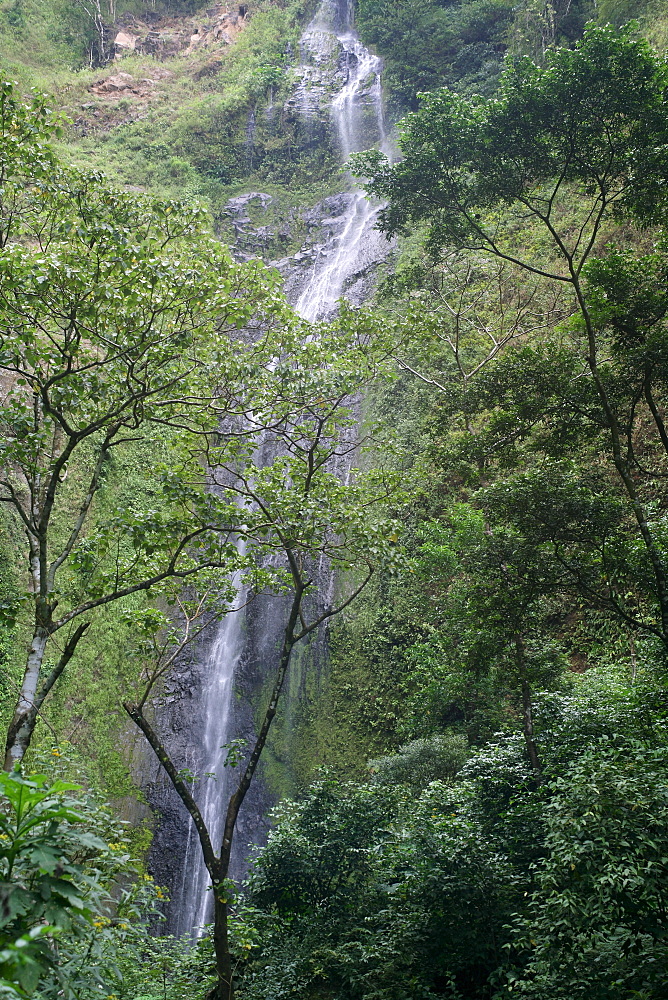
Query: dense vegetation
x,y
462,44
475,796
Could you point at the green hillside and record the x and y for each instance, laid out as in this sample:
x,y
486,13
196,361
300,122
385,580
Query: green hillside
x,y
472,777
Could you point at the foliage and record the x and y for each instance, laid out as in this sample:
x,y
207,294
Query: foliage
x,y
429,45
64,914
586,125
423,760
450,870
318,855
165,969
460,45
525,564
277,472
596,920
478,887
26,161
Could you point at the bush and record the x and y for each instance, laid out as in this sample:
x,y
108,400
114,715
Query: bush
x,y
66,908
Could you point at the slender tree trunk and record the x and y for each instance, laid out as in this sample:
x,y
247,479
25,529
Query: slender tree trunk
x,y
224,989
32,696
20,728
621,463
218,866
225,985
527,707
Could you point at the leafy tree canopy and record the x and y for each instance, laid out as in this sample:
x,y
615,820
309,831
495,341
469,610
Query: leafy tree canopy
x,y
593,117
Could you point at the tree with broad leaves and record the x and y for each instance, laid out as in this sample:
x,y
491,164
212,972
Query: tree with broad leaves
x,y
116,314
301,506
502,176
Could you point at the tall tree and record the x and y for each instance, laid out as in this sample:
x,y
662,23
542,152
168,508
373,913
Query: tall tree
x,y
115,314
301,507
587,129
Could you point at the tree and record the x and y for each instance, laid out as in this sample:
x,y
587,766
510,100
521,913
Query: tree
x,y
115,314
596,925
426,44
491,592
589,127
301,507
464,312
590,123
63,915
93,13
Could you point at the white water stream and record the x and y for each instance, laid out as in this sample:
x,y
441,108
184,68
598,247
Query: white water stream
x,y
336,70
212,790
357,113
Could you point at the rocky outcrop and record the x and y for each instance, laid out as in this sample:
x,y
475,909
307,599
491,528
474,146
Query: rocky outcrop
x,y
124,84
164,38
113,84
124,43
249,240
326,225
328,62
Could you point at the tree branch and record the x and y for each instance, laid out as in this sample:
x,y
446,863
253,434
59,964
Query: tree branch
x,y
178,783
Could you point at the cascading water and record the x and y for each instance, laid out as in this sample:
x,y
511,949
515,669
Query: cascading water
x,y
357,112
222,661
339,74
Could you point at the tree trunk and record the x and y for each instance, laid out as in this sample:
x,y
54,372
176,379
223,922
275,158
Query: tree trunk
x,y
224,989
31,700
621,462
527,708
22,725
218,865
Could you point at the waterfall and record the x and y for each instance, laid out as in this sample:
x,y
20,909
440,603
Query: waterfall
x,y
250,138
357,112
211,788
337,76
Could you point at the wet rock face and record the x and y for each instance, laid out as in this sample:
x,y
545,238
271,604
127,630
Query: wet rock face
x,y
174,714
315,79
326,225
326,65
250,239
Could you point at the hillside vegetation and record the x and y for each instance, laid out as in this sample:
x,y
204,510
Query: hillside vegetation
x,y
474,791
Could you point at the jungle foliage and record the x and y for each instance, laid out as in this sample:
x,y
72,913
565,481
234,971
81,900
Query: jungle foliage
x,y
483,884
532,864
428,44
490,816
